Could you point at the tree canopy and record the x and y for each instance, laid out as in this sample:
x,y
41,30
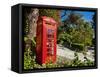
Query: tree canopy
x,y
76,30
50,13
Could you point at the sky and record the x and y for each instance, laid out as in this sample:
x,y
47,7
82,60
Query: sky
x,y
86,14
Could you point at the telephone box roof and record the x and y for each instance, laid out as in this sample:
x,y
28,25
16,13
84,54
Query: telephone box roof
x,y
49,19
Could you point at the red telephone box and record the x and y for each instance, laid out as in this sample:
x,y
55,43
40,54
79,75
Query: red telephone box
x,y
46,40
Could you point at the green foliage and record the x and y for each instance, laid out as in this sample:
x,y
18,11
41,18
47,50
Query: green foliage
x,y
27,61
30,63
50,13
77,63
34,41
64,37
78,47
75,30
30,53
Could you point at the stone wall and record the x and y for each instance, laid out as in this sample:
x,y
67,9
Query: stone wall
x,y
33,17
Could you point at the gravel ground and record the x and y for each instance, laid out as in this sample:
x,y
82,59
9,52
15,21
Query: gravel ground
x,y
69,54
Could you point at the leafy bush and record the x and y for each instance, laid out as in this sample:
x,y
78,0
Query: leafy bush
x,y
64,39
76,62
27,61
30,63
78,47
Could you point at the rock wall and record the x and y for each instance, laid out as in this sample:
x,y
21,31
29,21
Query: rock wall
x,y
33,17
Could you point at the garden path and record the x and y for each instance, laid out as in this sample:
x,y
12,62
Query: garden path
x,y
69,54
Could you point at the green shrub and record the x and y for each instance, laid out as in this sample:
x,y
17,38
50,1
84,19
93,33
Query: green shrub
x,y
27,61
77,47
30,62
